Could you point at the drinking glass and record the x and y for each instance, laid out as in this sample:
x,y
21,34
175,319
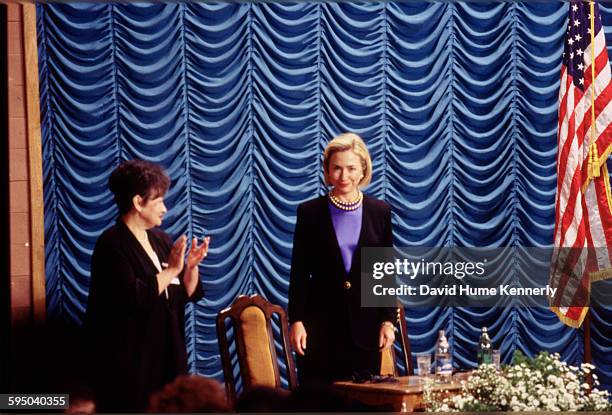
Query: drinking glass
x,y
424,364
496,357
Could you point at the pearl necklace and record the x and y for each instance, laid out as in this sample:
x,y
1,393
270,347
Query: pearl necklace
x,y
348,206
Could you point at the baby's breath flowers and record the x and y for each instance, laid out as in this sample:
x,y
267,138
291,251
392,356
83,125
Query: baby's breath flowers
x,y
543,383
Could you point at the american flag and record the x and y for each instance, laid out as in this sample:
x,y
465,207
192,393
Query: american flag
x,y
583,219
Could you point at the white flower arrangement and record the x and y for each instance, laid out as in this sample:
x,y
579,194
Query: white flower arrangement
x,y
543,383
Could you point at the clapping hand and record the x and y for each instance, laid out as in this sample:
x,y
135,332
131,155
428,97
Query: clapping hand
x,y
176,259
197,252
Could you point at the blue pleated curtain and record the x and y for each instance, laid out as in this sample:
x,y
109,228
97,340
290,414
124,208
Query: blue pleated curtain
x,y
456,101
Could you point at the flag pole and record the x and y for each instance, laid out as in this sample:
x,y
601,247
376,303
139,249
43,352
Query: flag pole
x,y
593,170
593,166
588,358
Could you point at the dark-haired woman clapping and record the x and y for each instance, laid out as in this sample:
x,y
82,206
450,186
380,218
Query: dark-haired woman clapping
x,y
140,283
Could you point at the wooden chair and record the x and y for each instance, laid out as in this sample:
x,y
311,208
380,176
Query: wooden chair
x,y
388,364
251,318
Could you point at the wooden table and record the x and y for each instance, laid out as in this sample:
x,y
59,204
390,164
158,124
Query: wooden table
x,y
403,396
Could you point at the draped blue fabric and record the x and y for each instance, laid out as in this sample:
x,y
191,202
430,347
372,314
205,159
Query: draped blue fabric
x,y
456,101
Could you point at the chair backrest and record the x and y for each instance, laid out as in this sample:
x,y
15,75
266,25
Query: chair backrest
x,y
251,319
388,364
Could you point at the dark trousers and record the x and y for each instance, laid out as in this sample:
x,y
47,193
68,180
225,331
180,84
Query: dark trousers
x,y
333,356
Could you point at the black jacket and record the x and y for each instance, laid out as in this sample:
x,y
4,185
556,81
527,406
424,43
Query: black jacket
x,y
318,294
136,335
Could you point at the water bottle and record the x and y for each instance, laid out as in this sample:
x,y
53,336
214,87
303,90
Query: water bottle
x,y
484,353
444,362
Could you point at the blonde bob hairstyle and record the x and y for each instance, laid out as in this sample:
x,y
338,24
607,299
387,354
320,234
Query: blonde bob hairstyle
x,y
345,142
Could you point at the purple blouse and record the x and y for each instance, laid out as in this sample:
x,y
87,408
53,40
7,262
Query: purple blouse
x,y
347,225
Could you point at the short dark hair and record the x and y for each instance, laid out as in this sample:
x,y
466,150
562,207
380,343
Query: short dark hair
x,y
189,393
137,177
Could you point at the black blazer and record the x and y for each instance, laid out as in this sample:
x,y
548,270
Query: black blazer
x,y
136,334
318,294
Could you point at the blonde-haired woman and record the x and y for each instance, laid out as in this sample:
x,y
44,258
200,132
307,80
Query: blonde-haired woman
x,y
333,336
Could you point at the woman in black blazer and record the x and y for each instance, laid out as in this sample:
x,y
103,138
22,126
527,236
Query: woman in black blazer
x,y
334,336
140,283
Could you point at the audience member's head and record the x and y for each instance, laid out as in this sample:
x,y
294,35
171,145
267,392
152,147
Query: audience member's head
x,y
81,405
263,399
190,394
